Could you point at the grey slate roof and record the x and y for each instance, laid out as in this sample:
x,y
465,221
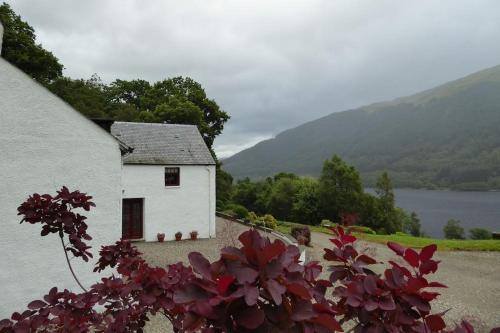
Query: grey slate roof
x,y
154,143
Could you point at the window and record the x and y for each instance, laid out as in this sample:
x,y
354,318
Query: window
x,y
172,177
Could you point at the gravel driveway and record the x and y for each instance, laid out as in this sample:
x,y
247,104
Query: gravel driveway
x,y
473,280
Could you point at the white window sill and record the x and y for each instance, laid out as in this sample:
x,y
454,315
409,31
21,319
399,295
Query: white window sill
x,y
169,187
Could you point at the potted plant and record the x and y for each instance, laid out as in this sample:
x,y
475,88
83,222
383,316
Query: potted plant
x,y
178,236
193,235
161,237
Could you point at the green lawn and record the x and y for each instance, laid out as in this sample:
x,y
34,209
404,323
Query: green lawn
x,y
443,244
410,241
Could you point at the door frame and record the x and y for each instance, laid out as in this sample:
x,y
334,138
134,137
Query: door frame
x,y
141,200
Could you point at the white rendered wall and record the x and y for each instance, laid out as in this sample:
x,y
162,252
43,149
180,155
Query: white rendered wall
x,y
188,207
45,144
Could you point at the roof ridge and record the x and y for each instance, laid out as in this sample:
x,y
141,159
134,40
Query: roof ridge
x,y
154,124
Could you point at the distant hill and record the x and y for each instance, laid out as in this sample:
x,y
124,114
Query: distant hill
x,y
446,137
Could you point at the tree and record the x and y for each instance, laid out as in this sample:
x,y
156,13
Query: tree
x,y
305,207
479,233
86,96
223,185
453,230
282,197
19,47
385,194
339,189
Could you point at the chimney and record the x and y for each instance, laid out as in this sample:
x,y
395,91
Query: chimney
x,y
1,36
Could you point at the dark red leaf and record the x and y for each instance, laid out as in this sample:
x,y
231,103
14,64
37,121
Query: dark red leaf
x,y
224,282
298,290
411,257
276,290
370,284
250,318
34,305
327,321
435,323
200,264
427,252
396,248
271,251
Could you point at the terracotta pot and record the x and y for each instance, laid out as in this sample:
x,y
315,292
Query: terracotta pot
x,y
161,237
194,236
178,236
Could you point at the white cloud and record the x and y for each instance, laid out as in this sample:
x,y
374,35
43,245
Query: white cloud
x,y
273,64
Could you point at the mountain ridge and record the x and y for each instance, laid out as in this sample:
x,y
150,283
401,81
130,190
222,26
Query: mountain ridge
x,y
441,125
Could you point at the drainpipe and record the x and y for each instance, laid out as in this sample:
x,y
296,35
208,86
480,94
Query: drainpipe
x,y
210,224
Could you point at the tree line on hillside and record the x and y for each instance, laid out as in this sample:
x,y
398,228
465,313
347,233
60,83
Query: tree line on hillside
x,y
174,100
337,192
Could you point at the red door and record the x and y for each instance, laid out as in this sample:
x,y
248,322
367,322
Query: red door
x,y
132,213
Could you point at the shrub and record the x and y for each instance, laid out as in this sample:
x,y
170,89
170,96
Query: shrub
x,y
302,233
453,230
479,233
238,210
327,223
219,205
269,221
252,217
260,286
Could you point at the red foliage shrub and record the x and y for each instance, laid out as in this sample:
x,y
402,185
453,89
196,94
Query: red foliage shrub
x,y
302,233
258,287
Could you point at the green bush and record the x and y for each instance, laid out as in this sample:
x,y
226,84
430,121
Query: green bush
x,y
270,221
252,217
238,210
453,230
327,223
479,233
219,205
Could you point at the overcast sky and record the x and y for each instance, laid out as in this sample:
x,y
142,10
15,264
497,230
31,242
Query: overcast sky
x,y
273,64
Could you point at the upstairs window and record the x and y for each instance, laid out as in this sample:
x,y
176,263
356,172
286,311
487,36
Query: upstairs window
x,y
172,177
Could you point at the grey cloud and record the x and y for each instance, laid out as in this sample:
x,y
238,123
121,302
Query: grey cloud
x,y
273,64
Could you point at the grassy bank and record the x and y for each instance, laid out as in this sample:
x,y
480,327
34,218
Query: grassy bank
x,y
442,244
410,241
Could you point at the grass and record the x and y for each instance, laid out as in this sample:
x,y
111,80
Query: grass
x,y
442,244
409,241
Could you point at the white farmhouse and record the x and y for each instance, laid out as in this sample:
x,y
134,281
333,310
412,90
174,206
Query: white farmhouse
x,y
166,185
168,181
45,144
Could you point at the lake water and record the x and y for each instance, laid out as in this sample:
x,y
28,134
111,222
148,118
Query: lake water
x,y
435,208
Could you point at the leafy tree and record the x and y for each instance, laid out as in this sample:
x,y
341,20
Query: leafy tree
x,y
19,47
479,233
223,185
453,230
86,96
339,189
282,197
305,207
245,193
385,193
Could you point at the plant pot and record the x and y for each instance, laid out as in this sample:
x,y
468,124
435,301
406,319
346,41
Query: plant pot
x,y
178,236
194,236
161,237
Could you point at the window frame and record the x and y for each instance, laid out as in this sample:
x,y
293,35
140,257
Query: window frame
x,y
178,183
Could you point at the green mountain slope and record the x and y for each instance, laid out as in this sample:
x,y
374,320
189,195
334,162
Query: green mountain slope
x,y
448,136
